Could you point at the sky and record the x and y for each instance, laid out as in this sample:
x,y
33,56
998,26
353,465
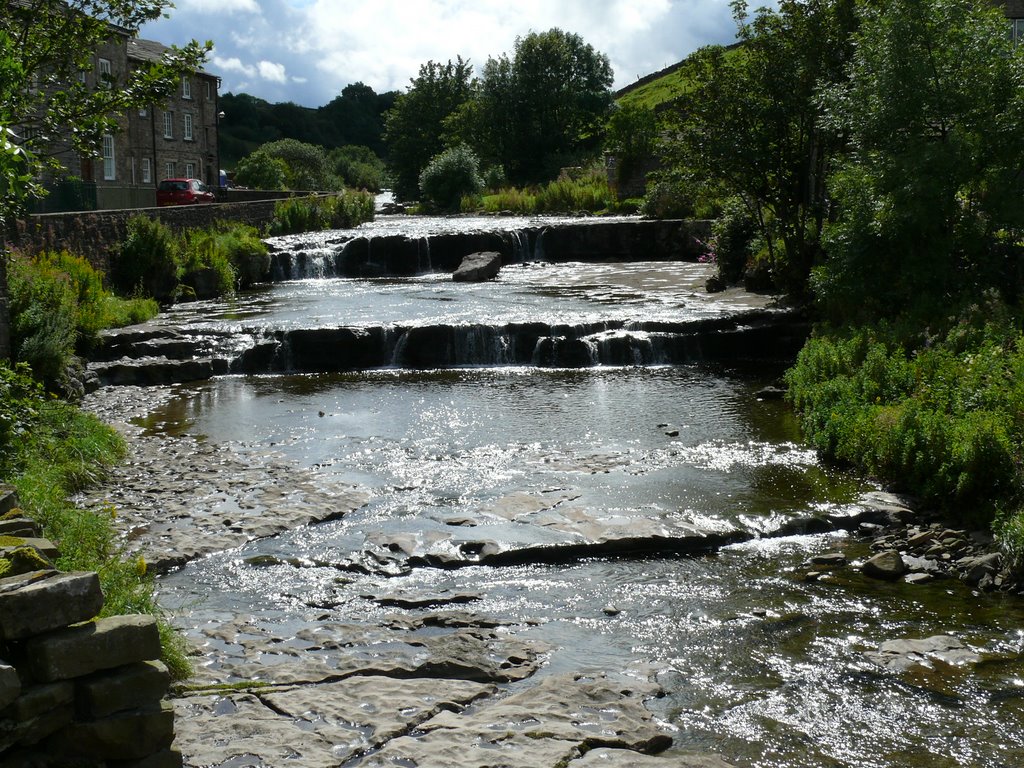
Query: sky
x,y
306,51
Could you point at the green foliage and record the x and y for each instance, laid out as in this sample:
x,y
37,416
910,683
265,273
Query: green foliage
x,y
310,214
543,109
945,420
304,167
245,251
587,191
415,127
20,396
929,194
206,270
732,234
148,261
750,125
449,176
43,309
355,117
358,167
632,136
261,171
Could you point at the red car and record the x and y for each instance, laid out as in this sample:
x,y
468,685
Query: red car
x,y
183,192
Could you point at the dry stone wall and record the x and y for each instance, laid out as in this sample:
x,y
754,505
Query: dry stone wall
x,y
95,234
73,690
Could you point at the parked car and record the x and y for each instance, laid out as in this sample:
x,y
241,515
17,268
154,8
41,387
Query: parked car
x,y
183,192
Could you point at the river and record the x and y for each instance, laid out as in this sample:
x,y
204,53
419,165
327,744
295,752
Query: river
x,y
755,662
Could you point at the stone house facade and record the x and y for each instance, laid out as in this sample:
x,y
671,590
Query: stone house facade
x,y
176,138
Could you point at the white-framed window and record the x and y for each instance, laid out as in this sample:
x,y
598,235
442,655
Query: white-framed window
x,y
207,85
109,167
1016,30
143,112
106,74
147,171
186,88
188,127
81,76
168,124
190,170
169,170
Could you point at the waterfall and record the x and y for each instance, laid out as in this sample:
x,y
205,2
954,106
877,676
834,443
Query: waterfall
x,y
482,345
538,247
395,340
423,265
317,264
519,242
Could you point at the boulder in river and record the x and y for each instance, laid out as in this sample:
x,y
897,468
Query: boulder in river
x,y
478,267
886,565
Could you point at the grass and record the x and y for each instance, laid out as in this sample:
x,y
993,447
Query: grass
x,y
66,450
587,192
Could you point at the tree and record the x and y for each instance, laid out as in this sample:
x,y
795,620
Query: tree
x,y
751,125
542,109
358,167
261,171
305,167
931,196
449,176
46,109
414,128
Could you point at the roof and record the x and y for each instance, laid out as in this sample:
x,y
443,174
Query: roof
x,y
151,50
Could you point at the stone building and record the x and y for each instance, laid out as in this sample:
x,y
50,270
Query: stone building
x,y
176,138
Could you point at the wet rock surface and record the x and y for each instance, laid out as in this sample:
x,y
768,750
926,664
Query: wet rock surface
x,y
180,498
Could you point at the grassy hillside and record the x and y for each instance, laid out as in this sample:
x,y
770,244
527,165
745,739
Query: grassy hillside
x,y
660,88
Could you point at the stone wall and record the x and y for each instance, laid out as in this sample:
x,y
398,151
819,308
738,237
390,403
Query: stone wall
x,y
96,234
73,691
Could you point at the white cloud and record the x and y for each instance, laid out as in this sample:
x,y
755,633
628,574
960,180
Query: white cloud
x,y
221,6
232,64
271,71
306,51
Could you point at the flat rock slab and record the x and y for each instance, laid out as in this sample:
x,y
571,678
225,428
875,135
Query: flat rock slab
x,y
624,758
315,725
325,652
43,601
538,530
543,726
902,655
80,650
179,498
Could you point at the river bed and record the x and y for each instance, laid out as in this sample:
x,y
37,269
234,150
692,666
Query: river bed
x,y
755,663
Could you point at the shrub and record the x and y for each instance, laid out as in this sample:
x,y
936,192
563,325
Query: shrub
x,y
309,214
43,308
945,420
149,260
732,234
449,176
20,396
246,252
206,270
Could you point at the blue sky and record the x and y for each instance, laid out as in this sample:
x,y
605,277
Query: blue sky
x,y
306,51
